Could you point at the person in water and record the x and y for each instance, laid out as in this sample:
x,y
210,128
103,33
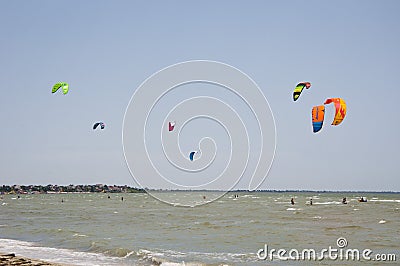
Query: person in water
x,y
362,199
311,201
344,201
292,201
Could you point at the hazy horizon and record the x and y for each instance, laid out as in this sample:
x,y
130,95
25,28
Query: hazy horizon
x,y
105,50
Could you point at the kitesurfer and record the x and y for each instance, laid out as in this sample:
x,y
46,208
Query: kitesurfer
x,y
362,199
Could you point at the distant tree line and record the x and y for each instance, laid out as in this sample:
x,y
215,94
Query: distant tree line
x,y
98,188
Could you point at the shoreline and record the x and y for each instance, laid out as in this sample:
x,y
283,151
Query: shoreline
x,y
13,259
204,191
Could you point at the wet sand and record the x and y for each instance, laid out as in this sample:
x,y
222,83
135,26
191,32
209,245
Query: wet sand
x,y
12,259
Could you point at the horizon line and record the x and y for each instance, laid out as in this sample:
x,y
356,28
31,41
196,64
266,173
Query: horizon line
x,y
218,190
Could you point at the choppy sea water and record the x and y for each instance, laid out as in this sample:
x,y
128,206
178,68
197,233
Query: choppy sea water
x,y
92,229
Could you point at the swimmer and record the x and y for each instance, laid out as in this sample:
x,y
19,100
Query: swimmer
x,y
344,201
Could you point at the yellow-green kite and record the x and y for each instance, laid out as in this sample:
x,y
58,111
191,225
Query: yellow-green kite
x,y
299,88
63,85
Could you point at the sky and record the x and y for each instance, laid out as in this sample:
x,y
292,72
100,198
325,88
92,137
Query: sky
x,y
106,49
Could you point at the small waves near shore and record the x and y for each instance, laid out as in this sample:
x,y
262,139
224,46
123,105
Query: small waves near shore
x,y
94,229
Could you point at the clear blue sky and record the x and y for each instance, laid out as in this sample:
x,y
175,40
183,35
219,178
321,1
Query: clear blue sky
x,y
106,49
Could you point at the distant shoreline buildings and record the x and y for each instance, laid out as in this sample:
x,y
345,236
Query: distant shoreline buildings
x,y
51,189
100,188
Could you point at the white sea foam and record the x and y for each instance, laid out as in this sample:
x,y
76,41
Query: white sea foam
x,y
385,200
183,263
327,203
80,235
129,254
172,257
56,255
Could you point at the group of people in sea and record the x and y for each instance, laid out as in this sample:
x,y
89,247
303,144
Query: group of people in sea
x,y
344,200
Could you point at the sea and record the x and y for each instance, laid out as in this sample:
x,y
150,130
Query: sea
x,y
240,228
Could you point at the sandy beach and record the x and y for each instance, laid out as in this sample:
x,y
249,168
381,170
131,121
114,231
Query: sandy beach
x,y
12,259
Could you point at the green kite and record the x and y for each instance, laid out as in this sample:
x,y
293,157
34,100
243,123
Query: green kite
x,y
63,85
